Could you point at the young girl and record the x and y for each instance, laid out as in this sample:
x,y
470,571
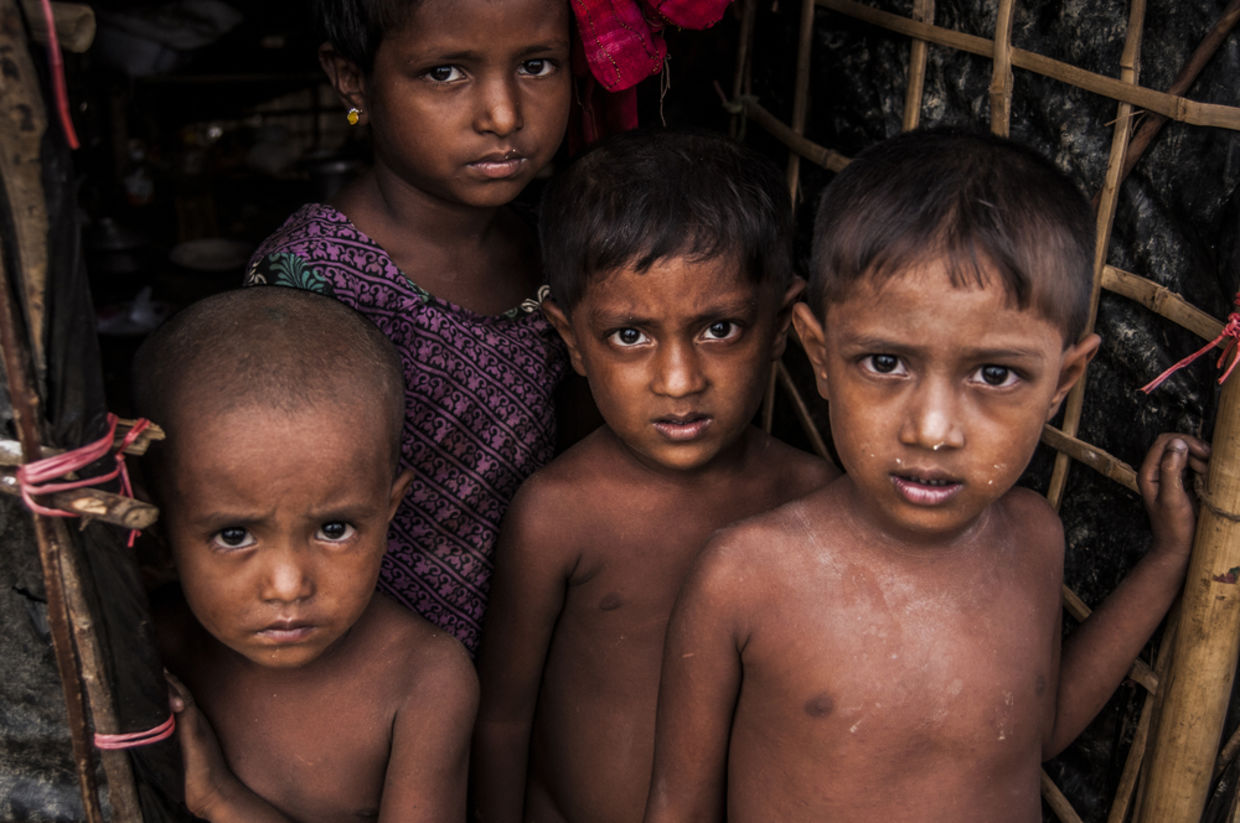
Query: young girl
x,y
466,100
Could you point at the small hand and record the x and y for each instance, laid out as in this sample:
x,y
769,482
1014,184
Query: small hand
x,y
205,768
1161,481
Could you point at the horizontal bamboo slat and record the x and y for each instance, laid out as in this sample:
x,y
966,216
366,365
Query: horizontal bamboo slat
x,y
1169,105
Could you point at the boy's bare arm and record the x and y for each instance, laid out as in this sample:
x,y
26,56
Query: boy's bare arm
x,y
212,791
527,594
697,697
1098,655
428,767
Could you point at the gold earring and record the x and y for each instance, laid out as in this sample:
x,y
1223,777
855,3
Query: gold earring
x,y
353,115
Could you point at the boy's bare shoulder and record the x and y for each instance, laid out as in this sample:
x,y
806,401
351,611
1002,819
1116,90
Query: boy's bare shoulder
x,y
798,469
575,482
777,541
416,653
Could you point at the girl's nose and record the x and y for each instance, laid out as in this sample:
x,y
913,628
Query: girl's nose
x,y
678,371
499,111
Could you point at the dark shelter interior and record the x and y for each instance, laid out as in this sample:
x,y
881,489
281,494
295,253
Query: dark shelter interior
x,y
203,124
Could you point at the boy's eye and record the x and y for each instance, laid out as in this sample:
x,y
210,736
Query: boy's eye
x,y
538,67
722,330
883,364
444,74
335,531
627,337
232,537
998,376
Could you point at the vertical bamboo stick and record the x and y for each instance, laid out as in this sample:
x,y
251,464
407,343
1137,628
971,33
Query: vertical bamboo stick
x,y
25,401
923,10
1125,790
1129,71
1194,698
742,79
1001,74
800,99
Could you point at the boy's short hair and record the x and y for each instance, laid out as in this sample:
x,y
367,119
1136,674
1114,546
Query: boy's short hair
x,y
355,28
973,200
640,197
269,347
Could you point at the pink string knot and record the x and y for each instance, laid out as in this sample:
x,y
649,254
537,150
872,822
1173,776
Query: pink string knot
x,y
1230,333
34,478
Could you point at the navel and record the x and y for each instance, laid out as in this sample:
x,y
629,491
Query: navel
x,y
820,705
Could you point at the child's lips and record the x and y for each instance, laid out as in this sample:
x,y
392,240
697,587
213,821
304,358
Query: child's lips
x,y
683,427
926,489
286,631
499,165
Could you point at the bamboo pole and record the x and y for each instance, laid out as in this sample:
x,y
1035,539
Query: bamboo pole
x,y
1126,789
802,412
1194,700
1204,51
741,82
1105,217
800,96
1058,803
828,159
1001,73
1172,106
24,403
1097,459
923,11
1162,301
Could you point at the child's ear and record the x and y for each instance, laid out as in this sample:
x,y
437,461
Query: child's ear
x,y
565,327
346,78
399,486
814,341
1075,359
784,317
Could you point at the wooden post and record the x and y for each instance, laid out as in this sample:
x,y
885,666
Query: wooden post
x,y
1195,694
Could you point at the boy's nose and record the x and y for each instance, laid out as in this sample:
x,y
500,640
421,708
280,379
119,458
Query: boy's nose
x,y
933,421
500,109
678,371
286,578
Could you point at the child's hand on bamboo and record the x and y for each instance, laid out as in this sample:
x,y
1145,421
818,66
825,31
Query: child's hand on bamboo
x,y
1168,503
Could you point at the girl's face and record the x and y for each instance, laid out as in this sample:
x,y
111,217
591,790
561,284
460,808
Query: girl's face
x,y
469,100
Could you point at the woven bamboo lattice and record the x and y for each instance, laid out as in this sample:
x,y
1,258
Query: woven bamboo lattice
x,y
1175,755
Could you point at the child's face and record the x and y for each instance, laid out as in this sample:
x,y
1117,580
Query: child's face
x,y
470,99
277,524
937,394
678,357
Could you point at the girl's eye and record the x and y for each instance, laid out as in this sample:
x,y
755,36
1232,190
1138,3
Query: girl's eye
x,y
883,364
538,67
997,376
722,330
232,537
335,531
627,337
444,74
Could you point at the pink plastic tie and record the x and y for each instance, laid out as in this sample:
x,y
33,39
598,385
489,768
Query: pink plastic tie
x,y
34,478
1230,333
56,67
131,740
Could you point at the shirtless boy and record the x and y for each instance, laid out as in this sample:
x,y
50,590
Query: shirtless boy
x,y
313,697
888,648
667,256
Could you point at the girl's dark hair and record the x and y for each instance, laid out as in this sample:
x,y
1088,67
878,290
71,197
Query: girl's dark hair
x,y
356,27
979,202
640,197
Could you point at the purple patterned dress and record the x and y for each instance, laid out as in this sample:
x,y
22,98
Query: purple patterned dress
x,y
479,411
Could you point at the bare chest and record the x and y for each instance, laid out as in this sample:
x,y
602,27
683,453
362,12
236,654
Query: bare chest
x,y
315,756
